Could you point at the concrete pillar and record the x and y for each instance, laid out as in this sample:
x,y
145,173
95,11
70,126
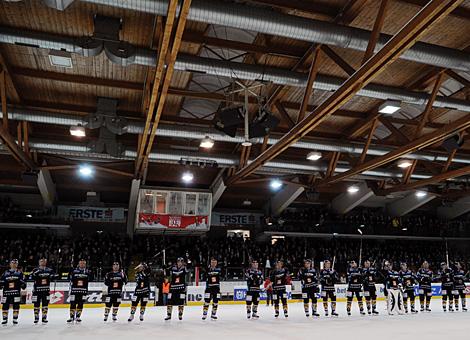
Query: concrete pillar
x,y
132,211
345,202
218,187
407,204
46,187
285,197
456,209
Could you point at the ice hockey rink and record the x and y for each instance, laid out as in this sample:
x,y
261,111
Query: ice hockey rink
x,y
232,324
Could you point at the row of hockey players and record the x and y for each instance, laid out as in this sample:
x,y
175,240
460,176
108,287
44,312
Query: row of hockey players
x,y
361,281
12,282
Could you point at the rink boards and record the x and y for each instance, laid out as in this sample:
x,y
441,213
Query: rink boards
x,y
231,291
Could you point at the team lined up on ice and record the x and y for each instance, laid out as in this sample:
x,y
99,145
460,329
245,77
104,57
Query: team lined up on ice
x,y
399,288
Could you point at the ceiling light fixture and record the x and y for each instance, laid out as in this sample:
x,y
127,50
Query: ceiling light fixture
x,y
246,203
390,107
314,156
187,177
77,131
421,194
353,189
404,163
275,184
207,143
85,170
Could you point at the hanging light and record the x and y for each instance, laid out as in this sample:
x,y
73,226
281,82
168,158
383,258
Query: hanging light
x,y
207,143
421,194
187,177
390,107
275,184
404,163
353,189
77,131
314,156
85,170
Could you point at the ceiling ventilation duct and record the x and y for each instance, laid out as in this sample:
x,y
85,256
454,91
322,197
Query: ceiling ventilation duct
x,y
88,46
267,21
106,36
222,68
121,52
198,133
107,30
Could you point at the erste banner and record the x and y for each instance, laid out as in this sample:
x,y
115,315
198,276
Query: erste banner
x,y
91,214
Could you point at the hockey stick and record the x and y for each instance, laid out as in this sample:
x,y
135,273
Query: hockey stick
x,y
447,254
59,260
360,248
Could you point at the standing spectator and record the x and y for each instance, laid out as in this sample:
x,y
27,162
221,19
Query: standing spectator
x,y
269,291
165,290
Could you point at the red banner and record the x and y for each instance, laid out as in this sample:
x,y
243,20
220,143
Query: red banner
x,y
163,221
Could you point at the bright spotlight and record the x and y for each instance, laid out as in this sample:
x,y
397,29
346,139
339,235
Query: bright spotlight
x,y
77,131
421,194
275,184
314,156
390,107
187,177
353,189
207,143
404,163
85,170
359,231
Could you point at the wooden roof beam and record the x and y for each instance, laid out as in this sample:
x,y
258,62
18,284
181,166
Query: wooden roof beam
x,y
312,74
400,42
429,104
377,29
428,181
163,75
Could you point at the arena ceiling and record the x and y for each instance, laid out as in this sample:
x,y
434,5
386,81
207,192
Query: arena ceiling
x,y
207,55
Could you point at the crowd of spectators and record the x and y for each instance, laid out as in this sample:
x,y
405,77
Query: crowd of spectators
x,y
28,246
11,212
375,220
233,253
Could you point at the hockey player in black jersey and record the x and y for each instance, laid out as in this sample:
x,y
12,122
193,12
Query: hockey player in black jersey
x,y
212,291
114,281
280,278
142,291
177,296
42,277
12,282
446,276
370,277
79,279
425,278
309,279
254,279
459,287
408,280
328,278
354,287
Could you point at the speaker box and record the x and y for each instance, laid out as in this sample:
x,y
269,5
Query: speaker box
x,y
452,143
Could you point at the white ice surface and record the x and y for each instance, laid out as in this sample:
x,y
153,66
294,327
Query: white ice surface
x,y
232,324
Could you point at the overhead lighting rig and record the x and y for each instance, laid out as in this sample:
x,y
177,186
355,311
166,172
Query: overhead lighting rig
x,y
229,119
200,162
